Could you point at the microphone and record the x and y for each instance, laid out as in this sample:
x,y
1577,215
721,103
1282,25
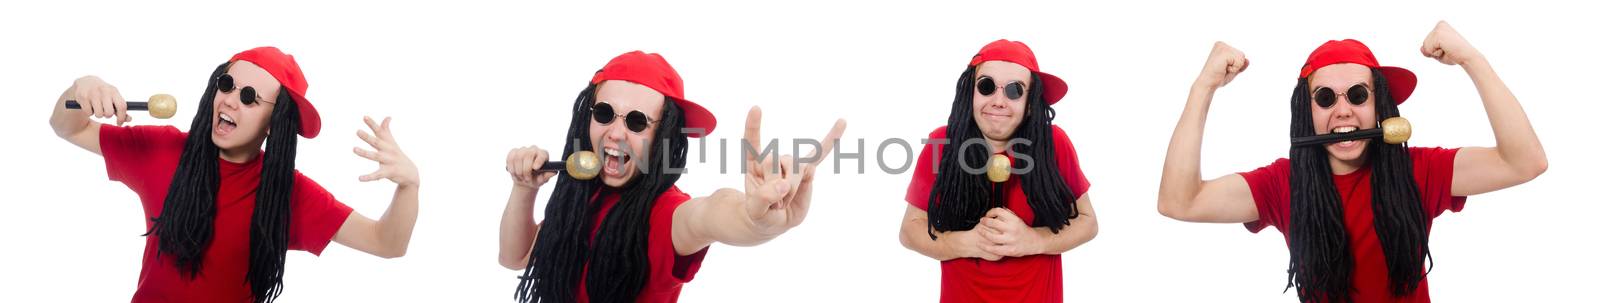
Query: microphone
x,y
581,165
160,106
1394,130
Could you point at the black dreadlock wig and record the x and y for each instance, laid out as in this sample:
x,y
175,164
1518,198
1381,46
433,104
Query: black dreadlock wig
x,y
1320,262
958,200
184,227
616,258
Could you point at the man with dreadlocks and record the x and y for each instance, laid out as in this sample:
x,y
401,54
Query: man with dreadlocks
x,y
999,242
1356,214
630,235
222,212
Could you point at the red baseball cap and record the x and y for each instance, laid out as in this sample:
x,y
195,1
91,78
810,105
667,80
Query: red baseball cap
x,y
1401,81
651,70
1016,52
283,68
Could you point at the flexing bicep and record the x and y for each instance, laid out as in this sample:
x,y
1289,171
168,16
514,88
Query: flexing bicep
x,y
87,138
1221,200
1481,169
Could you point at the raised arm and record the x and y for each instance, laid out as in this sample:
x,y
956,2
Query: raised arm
x,y
98,99
773,201
1184,195
518,230
390,235
1517,156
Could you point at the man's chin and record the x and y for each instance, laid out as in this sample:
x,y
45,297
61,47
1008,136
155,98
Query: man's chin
x,y
617,181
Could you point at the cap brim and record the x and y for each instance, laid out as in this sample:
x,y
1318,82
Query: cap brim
x,y
696,116
310,121
1401,82
1054,88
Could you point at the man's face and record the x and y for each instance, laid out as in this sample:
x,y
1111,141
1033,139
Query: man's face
x,y
624,98
1343,116
235,126
996,114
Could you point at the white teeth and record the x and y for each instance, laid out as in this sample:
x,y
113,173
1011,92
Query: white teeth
x,y
621,158
226,118
1344,129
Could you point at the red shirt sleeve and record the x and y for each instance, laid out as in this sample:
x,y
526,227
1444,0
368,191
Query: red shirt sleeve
x,y
1269,186
922,176
1434,169
1067,163
314,216
131,151
663,254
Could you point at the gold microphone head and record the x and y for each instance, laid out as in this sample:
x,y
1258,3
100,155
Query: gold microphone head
x,y
1396,130
999,168
583,165
163,106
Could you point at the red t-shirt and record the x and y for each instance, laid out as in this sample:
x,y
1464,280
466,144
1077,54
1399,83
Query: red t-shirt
x,y
1035,278
668,271
145,157
1432,167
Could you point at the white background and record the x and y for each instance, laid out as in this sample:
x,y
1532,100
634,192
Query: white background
x,y
466,82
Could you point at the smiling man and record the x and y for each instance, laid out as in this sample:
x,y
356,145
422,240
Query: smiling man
x,y
222,213
1356,214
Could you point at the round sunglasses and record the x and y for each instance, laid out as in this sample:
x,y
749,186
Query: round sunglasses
x,y
636,121
1357,94
1014,89
247,95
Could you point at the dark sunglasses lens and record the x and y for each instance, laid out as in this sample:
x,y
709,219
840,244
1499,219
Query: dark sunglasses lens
x,y
1014,91
603,113
225,83
986,86
1357,94
637,121
1325,97
247,95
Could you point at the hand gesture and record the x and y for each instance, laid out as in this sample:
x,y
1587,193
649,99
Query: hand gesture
x,y
778,199
392,163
